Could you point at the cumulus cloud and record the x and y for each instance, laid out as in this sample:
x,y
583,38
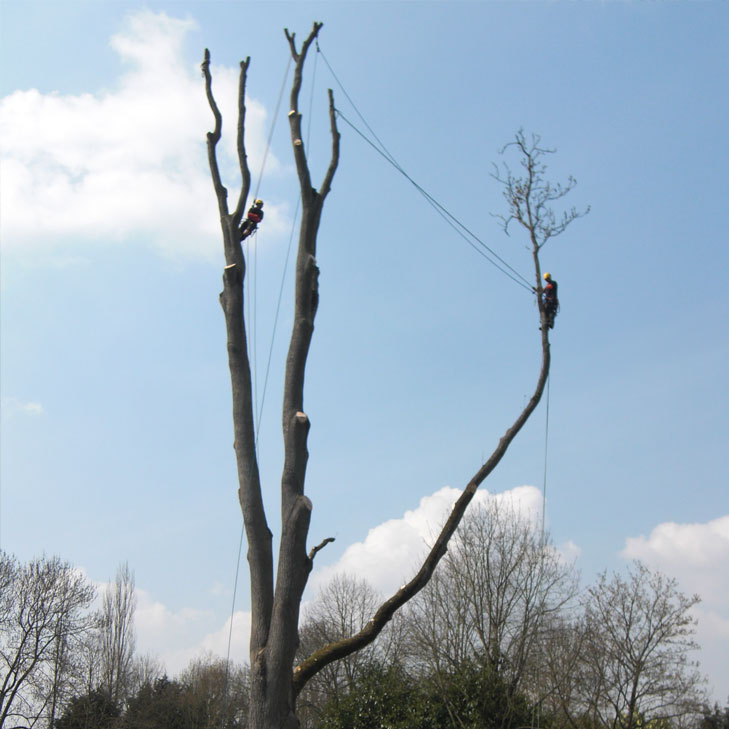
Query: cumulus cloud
x,y
693,553
125,162
696,555
216,642
391,551
173,636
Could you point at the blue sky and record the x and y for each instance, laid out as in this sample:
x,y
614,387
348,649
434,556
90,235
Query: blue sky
x,y
116,439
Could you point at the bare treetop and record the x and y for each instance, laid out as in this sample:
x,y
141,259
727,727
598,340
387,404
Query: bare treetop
x,y
529,196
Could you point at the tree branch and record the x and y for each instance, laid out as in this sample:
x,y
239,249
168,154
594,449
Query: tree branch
x,y
214,137
319,659
259,537
319,547
302,167
240,144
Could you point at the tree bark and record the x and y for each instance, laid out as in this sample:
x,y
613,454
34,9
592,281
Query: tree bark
x,y
275,611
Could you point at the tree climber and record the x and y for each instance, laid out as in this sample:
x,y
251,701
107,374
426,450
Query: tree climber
x,y
253,218
550,300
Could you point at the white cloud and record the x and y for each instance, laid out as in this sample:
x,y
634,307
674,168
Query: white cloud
x,y
13,406
391,551
696,555
171,635
178,637
130,161
569,551
217,641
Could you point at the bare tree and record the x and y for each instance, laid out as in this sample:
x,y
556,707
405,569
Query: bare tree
x,y
145,669
43,608
214,687
341,609
499,585
275,601
636,650
116,635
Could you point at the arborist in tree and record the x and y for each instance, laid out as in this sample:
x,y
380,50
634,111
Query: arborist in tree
x,y
550,300
253,217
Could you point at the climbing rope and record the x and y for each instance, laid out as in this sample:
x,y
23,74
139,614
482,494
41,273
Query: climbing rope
x,y
536,709
288,255
465,233
546,450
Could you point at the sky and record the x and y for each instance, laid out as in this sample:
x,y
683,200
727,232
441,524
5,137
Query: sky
x,y
116,419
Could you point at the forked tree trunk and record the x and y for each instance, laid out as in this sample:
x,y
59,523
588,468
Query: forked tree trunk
x,y
275,609
275,683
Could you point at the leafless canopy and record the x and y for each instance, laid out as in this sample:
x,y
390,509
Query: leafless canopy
x,y
529,196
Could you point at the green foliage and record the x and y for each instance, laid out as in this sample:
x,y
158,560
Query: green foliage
x,y
383,697
476,696
158,705
95,710
716,719
472,697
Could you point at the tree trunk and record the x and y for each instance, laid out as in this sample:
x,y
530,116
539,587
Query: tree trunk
x,y
275,610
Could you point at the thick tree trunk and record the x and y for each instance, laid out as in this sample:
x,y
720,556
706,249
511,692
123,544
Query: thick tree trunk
x,y
275,610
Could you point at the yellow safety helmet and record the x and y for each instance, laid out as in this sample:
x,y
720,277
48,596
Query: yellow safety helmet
x,y
547,276
259,202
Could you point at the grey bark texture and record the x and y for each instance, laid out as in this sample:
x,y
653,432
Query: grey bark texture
x,y
275,607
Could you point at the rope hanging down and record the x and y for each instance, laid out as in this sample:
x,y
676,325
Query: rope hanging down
x,y
252,250
465,233
286,261
546,451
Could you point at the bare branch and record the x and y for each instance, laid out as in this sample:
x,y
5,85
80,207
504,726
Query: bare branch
x,y
327,183
528,197
240,144
214,137
309,667
297,141
319,547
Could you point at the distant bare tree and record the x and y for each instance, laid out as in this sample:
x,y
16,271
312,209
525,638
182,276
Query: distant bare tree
x,y
43,609
117,635
489,601
213,687
636,650
145,669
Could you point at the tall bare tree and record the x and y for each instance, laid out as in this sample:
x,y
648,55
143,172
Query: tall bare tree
x,y
276,596
117,635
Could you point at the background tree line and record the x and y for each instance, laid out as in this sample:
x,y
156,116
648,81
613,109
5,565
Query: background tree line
x,y
502,637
